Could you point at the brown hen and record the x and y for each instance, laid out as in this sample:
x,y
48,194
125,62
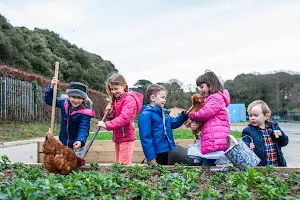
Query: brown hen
x,y
59,158
197,104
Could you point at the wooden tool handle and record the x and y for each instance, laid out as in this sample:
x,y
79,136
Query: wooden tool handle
x,y
54,99
95,135
104,116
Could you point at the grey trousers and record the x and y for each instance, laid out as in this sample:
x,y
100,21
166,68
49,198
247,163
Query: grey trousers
x,y
179,155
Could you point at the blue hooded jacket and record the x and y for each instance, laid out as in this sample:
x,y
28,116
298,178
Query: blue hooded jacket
x,y
259,150
75,122
152,131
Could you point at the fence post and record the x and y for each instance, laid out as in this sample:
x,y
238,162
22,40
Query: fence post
x,y
3,100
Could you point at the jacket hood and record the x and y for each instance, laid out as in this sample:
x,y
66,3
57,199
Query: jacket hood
x,y
155,109
220,96
138,99
226,97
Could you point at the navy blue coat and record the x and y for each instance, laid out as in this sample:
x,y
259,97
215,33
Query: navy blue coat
x,y
151,130
258,141
75,123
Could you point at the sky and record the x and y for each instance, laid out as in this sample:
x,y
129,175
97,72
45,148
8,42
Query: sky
x,y
159,40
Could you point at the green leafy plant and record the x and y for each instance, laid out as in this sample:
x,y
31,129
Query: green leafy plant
x,y
146,182
210,193
4,163
94,165
138,172
18,165
217,179
270,169
118,167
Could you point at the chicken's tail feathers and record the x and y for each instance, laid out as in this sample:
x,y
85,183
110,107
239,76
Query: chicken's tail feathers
x,y
48,135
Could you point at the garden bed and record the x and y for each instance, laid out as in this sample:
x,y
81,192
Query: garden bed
x,y
116,181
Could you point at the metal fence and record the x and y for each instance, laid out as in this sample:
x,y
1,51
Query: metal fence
x,y
292,115
21,100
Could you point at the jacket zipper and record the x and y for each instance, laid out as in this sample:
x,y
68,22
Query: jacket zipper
x,y
68,121
263,148
165,129
262,144
68,131
123,131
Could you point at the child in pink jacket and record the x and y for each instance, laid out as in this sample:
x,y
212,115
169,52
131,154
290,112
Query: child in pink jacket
x,y
123,110
213,114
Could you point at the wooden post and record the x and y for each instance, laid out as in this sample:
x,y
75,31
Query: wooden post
x,y
54,99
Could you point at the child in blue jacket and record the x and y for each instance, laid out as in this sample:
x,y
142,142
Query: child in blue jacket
x,y
155,126
267,136
76,113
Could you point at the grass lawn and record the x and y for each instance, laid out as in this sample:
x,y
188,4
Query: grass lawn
x,y
11,131
21,131
178,134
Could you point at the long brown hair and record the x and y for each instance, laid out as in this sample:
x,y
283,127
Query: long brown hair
x,y
211,80
115,79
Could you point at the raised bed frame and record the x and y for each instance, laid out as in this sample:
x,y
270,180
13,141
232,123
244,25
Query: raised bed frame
x,y
103,151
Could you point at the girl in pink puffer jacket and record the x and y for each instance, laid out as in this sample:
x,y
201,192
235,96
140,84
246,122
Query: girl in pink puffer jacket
x,y
213,114
123,110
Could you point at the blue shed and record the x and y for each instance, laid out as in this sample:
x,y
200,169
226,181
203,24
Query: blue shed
x,y
237,112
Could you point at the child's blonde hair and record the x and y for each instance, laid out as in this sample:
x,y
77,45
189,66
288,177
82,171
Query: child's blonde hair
x,y
264,106
115,79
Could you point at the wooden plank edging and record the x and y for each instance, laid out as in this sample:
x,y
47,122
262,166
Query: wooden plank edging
x,y
103,151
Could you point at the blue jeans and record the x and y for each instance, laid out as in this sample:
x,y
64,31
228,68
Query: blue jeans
x,y
208,162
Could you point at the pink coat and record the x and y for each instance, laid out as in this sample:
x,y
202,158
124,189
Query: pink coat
x,y
124,112
216,125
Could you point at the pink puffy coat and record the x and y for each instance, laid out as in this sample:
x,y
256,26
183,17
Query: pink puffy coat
x,y
124,112
216,125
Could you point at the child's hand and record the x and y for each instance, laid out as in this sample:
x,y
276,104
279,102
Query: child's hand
x,y
277,133
54,82
109,99
252,146
189,110
195,125
151,162
77,145
102,124
108,107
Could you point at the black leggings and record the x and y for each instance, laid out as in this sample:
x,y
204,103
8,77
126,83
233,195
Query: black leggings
x,y
179,155
162,158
